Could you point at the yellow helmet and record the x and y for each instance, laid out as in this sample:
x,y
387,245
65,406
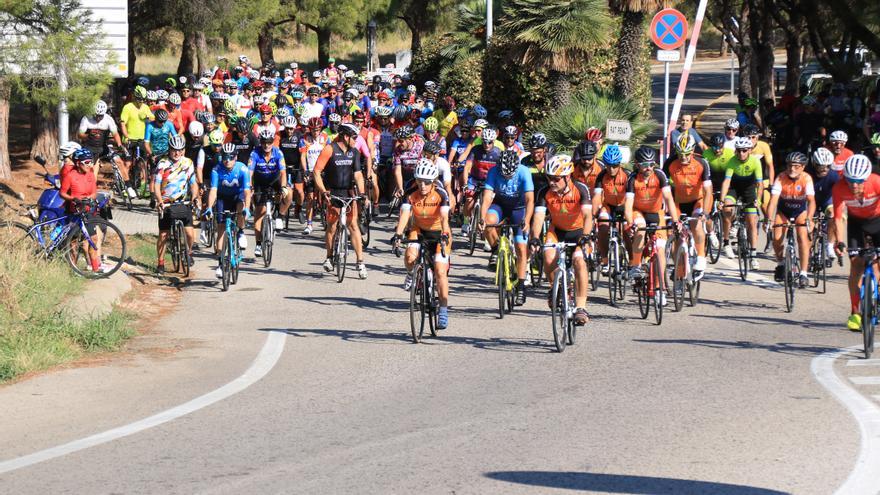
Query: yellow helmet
x,y
216,137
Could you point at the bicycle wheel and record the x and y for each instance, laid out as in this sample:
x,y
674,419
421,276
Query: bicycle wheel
x,y
432,302
571,290
789,279
678,281
714,254
559,316
122,189
658,290
268,239
416,308
235,260
743,254
182,248
613,268
365,227
226,262
512,280
641,290
867,309
593,267
472,235
536,268
819,273
341,250
622,263
693,293
501,280
108,244
172,244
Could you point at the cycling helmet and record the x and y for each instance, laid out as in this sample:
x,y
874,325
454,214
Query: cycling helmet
x,y
426,170
304,121
162,95
809,100
743,143
282,112
432,148
229,151
732,123
358,115
823,157
509,162
161,115
400,113
350,130
411,88
140,93
480,112
430,85
83,154
229,83
243,126
462,112
685,145
316,123
586,150
100,108
751,130
229,107
265,109
297,95
839,136
489,135
716,141
403,132
289,121
538,140
750,102
431,124
481,123
222,97
143,81
174,99
505,114
216,137
334,118
313,90
612,155
646,154
316,74
796,157
152,96
857,168
196,129
177,142
383,111
561,166
875,139
593,134
209,118
68,149
299,109
511,131
267,134
551,149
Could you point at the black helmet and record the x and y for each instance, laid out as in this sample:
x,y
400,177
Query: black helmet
x,y
646,154
716,141
403,132
509,163
586,151
538,140
161,115
400,113
243,126
750,130
432,148
796,157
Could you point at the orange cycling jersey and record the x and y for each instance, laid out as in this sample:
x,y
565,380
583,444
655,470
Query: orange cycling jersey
x,y
793,192
565,209
840,159
588,176
612,187
688,180
647,193
866,207
427,211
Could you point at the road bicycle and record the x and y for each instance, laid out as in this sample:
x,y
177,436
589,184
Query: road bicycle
x,y
505,268
791,262
868,297
176,242
536,260
649,288
562,294
424,301
120,187
267,232
618,260
743,253
819,261
683,274
340,238
715,218
69,237
230,255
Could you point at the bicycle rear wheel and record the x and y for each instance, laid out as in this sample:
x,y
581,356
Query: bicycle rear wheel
x,y
172,244
640,287
559,316
182,248
679,279
341,251
108,244
743,252
593,267
416,308
657,275
472,235
511,280
570,292
819,273
226,261
867,308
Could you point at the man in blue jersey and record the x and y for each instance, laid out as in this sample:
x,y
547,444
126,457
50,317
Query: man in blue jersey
x,y
269,180
230,190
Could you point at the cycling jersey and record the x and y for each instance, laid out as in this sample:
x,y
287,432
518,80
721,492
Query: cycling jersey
x,y
135,119
427,211
339,167
175,178
207,159
289,146
158,137
718,161
647,193
743,172
823,187
793,194
589,175
510,192
566,208
612,187
689,180
231,182
538,177
408,159
459,145
762,153
386,143
483,161
448,120
373,139
444,168
312,148
840,159
865,208
244,145
97,132
266,170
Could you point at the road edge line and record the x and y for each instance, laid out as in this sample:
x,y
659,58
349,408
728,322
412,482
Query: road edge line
x,y
698,121
865,475
266,359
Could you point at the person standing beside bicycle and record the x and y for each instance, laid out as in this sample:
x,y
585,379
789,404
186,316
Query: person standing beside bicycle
x,y
174,185
792,197
859,196
269,180
79,185
571,217
692,190
509,196
95,133
427,205
230,190
339,172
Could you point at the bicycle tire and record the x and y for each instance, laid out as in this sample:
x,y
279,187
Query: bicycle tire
x,y
593,267
819,271
536,262
226,262
558,313
789,278
267,238
30,235
658,290
172,243
182,247
433,302
501,280
122,189
117,241
623,262
641,290
867,308
613,268
416,309
512,280
680,281
472,235
572,327
743,253
236,260
341,249
365,229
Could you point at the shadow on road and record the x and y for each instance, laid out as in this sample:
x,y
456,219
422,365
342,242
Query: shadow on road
x,y
810,324
792,349
623,483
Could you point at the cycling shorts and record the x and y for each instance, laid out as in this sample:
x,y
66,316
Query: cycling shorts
x,y
225,203
515,216
859,230
295,175
658,218
175,211
431,239
555,235
265,190
746,193
335,206
135,148
691,209
791,210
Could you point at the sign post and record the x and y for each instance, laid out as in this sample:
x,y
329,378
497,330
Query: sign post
x,y
669,29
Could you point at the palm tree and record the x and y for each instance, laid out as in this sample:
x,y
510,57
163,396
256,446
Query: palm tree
x,y
556,35
630,43
469,35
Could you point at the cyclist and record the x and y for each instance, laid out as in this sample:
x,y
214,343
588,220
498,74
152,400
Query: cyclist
x,y
509,195
431,152
311,146
369,139
407,153
133,124
571,218
482,159
692,190
837,144
80,184
290,140
761,151
269,181
456,156
743,180
731,128
872,151
208,157
95,133
587,167
609,198
244,141
824,180
859,195
340,163
425,212
792,198
332,129
510,139
195,141
647,189
175,181
314,108
717,156
431,134
230,189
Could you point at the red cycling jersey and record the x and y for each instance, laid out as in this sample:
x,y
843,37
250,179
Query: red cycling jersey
x,y
864,208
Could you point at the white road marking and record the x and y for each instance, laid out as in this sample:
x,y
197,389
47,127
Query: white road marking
x,y
865,380
262,364
863,362
865,476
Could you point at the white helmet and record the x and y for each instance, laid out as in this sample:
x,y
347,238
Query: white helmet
x,y
481,123
152,95
67,149
732,123
743,143
489,135
857,168
162,95
196,129
289,122
229,148
304,121
267,134
316,74
177,142
174,99
383,112
823,156
838,136
100,107
426,170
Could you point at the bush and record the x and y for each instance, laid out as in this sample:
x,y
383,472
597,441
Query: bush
x,y
459,77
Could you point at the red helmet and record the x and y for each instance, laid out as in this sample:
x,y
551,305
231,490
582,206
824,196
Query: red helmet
x,y
264,108
316,123
593,134
257,84
358,115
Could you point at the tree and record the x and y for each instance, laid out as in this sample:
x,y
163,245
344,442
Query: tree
x,y
790,18
420,16
343,17
732,18
557,35
630,71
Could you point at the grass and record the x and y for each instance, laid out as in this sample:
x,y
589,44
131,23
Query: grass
x,y
142,250
36,331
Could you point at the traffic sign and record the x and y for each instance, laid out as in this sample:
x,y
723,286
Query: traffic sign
x,y
668,55
617,130
669,29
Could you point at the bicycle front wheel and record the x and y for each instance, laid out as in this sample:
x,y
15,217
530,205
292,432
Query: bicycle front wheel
x,y
501,280
657,280
416,308
678,278
266,238
640,287
867,308
105,248
182,249
790,279
366,214
557,310
743,252
341,250
226,262
173,244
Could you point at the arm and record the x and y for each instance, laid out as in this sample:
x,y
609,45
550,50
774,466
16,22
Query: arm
x,y
628,208
530,209
359,183
403,221
398,178
725,187
488,196
64,191
587,212
670,203
323,158
537,223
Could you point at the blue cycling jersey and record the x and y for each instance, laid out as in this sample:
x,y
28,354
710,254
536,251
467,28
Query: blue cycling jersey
x,y
511,192
231,183
823,188
158,137
266,170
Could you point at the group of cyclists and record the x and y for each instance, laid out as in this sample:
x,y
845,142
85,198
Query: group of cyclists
x,y
235,139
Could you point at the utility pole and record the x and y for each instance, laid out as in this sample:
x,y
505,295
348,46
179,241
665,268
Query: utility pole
x,y
488,21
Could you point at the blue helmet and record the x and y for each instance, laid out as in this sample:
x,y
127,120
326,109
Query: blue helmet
x,y
612,155
83,154
462,112
480,112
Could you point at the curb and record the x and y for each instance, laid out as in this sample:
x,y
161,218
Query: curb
x,y
699,120
100,296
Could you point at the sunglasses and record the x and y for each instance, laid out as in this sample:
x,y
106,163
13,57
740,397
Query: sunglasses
x,y
424,182
84,163
856,181
554,178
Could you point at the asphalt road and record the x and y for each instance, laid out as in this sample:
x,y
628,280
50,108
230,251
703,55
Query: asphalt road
x,y
315,387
